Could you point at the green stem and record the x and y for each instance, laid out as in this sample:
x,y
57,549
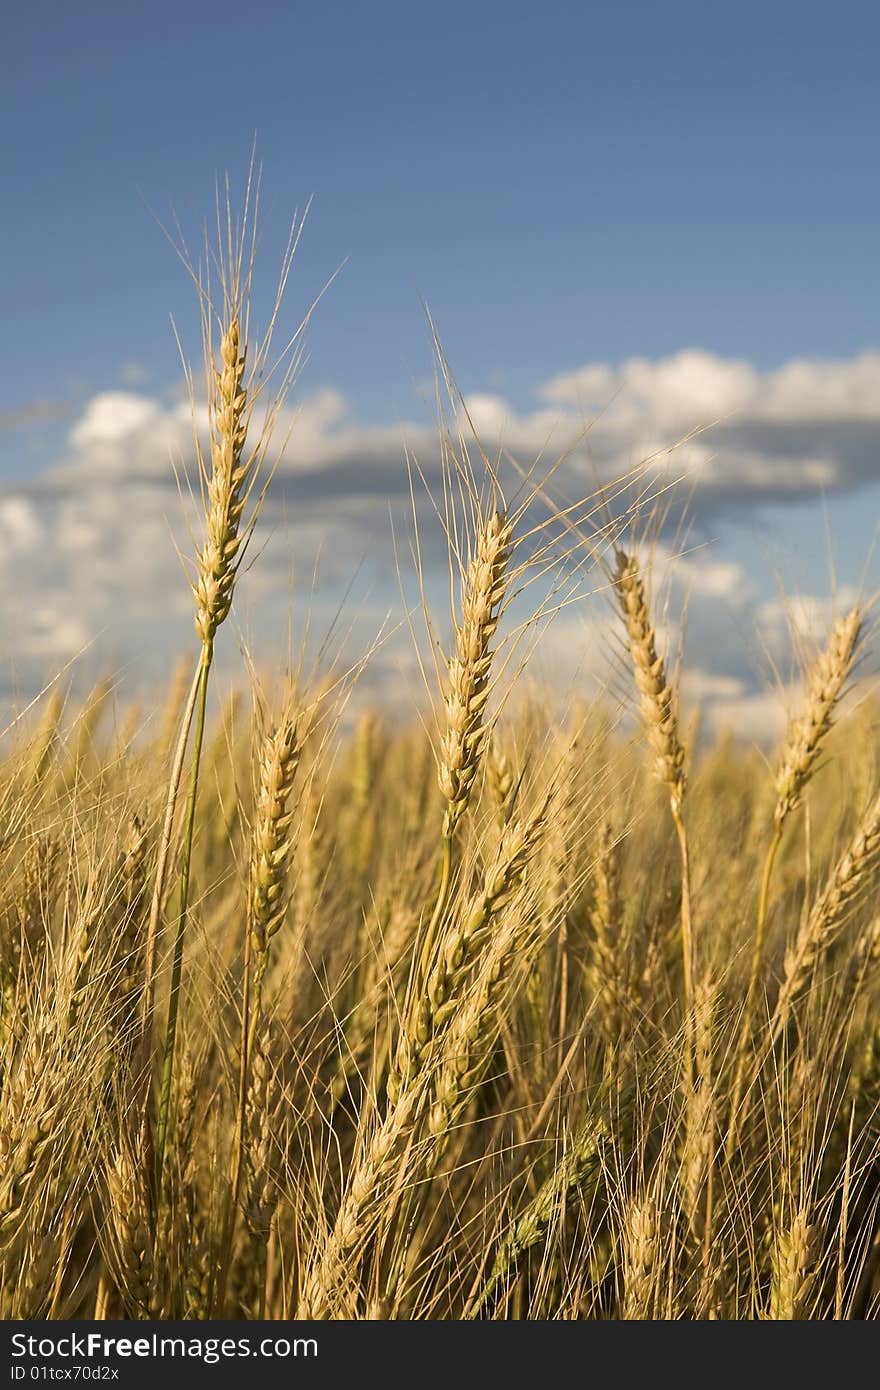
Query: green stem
x,y
177,963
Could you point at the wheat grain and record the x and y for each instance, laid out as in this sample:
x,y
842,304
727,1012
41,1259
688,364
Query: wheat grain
x,y
641,1259
807,733
793,1271
850,878
128,1240
460,947
279,759
658,707
468,673
606,968
500,779
656,695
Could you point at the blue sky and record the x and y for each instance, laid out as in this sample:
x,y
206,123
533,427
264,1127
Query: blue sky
x,y
563,184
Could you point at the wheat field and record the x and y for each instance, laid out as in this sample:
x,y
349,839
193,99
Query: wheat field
x,y
507,1010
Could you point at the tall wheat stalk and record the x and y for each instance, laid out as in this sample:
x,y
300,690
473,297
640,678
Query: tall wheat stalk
x,y
467,691
796,767
430,1074
233,485
658,706
279,759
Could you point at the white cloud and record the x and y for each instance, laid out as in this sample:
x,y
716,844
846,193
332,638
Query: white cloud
x,y
750,437
19,525
693,388
802,620
89,549
821,390
112,416
699,686
759,717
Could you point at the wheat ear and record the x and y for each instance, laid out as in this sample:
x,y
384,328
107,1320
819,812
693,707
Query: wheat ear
x,y
802,747
793,1269
796,766
128,1240
469,668
642,1255
129,953
578,1169
45,738
804,741
465,1012
501,780
418,1066
850,877
260,1189
460,948
217,566
279,759
658,709
270,850
30,1125
606,970
467,690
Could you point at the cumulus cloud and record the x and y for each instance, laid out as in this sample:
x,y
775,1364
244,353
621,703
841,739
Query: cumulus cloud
x,y
693,387
90,545
740,437
809,426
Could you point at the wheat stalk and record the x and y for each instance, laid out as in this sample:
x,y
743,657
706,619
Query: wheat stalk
x,y
501,779
642,1255
577,1170
128,1242
849,879
798,761
459,948
657,703
606,969
467,690
793,1269
217,567
279,759
807,733
418,1068
230,486
469,668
